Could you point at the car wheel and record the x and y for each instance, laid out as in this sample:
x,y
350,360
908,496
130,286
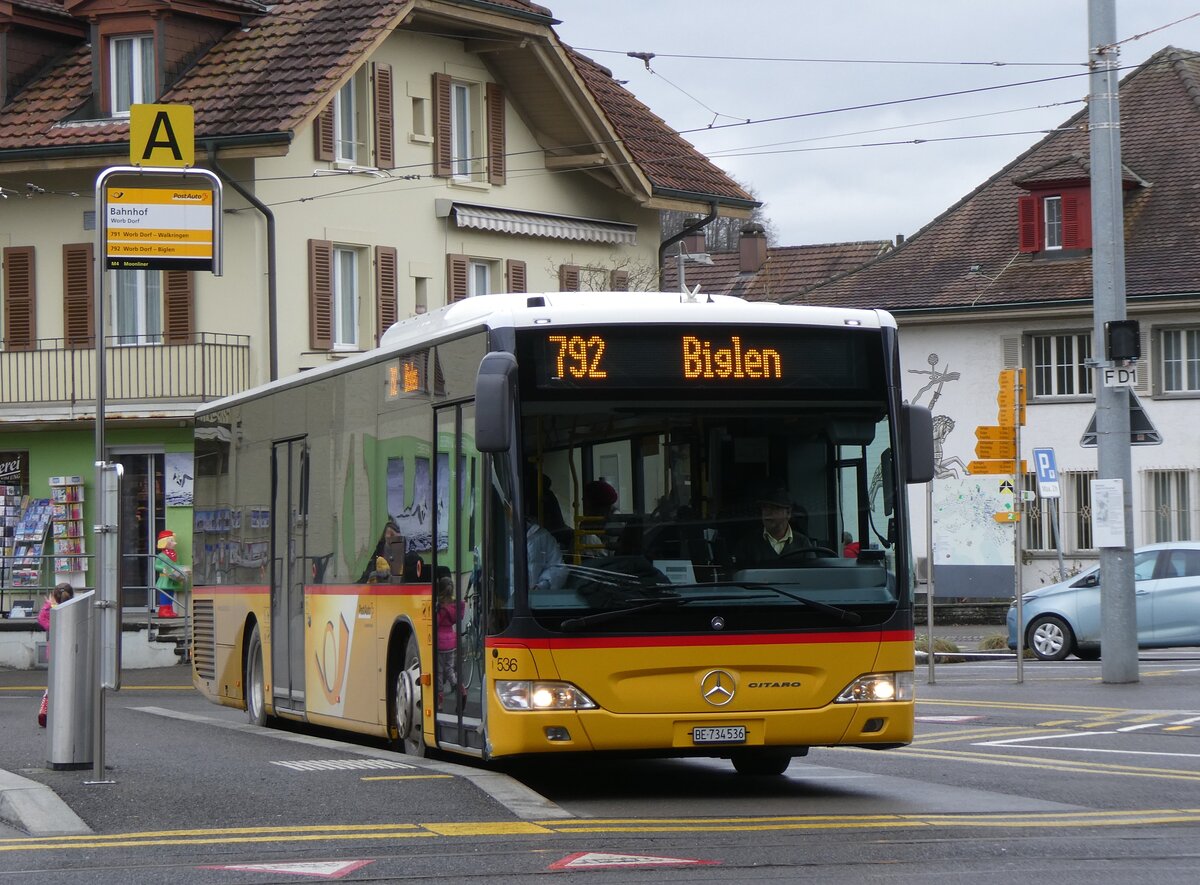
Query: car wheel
x,y
763,764
254,683
406,701
1050,638
1088,653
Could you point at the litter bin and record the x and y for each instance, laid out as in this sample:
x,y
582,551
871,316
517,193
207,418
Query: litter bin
x,y
72,683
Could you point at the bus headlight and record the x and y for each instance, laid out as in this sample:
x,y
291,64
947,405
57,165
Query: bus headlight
x,y
878,687
522,695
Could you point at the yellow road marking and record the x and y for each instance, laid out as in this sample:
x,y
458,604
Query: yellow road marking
x,y
1046,764
407,777
1057,723
1006,705
972,735
1178,728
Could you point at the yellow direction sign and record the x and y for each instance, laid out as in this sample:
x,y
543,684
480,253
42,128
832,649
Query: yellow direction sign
x,y
1006,516
996,448
996,468
162,135
992,432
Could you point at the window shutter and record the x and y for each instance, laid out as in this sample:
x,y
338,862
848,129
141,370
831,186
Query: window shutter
x,y
178,299
385,289
323,133
1070,222
1027,224
20,298
320,294
568,278
1143,366
495,133
443,133
515,276
385,129
456,278
79,329
619,281
1011,347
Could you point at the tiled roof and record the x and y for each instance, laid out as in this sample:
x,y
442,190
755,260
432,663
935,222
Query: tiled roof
x,y
46,7
274,74
667,159
1160,148
786,275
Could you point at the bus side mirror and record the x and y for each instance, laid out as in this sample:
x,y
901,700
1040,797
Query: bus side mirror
x,y
916,438
494,399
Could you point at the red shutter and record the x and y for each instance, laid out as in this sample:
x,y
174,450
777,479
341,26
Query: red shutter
x,y
385,138
443,131
515,276
568,278
20,298
323,133
79,327
495,133
456,278
178,299
1077,219
620,281
385,289
320,294
1029,224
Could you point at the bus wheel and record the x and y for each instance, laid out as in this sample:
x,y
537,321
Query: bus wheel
x,y
253,683
407,701
761,764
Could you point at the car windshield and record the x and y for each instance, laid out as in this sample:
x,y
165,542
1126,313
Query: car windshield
x,y
664,515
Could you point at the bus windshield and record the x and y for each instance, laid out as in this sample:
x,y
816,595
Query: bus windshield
x,y
666,515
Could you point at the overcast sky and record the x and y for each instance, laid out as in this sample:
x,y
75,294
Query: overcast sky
x,y
824,176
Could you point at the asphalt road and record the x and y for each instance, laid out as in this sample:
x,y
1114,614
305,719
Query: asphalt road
x,y
1060,777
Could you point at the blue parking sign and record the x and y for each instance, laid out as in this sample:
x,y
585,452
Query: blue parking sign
x,y
1047,473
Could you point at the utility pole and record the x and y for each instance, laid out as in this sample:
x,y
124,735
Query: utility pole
x,y
1118,626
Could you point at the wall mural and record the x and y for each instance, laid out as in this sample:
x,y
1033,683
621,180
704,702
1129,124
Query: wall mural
x,y
944,467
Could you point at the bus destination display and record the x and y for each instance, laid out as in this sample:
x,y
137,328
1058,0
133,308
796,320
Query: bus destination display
x,y
713,357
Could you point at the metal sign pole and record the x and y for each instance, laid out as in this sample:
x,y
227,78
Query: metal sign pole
x,y
1018,506
929,575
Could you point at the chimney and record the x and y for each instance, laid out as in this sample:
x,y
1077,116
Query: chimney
x,y
899,239
693,244
752,248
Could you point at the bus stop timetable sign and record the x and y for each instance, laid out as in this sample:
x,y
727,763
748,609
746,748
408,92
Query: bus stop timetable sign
x,y
158,228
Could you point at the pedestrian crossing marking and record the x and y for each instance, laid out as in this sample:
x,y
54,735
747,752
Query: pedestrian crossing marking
x,y
340,764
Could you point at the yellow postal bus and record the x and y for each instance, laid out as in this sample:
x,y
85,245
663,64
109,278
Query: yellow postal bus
x,y
641,523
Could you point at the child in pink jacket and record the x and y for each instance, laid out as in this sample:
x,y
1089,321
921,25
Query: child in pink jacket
x,y
54,599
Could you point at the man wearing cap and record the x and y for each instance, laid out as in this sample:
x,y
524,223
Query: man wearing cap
x,y
777,539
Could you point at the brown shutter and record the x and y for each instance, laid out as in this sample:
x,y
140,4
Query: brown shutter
x,y
320,294
79,327
1027,224
495,133
619,281
385,138
323,133
385,289
20,298
514,274
178,298
443,131
568,278
457,268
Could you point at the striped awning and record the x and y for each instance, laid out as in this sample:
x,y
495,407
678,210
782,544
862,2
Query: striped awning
x,y
539,224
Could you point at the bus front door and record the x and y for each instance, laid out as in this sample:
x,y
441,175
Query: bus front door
x,y
289,512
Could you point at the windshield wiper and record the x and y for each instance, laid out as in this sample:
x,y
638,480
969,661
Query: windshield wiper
x,y
842,614
570,625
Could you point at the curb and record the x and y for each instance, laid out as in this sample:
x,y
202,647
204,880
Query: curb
x,y
36,809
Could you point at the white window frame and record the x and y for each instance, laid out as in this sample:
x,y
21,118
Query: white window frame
x,y
479,277
346,144
466,148
346,281
1058,361
1053,223
1179,360
140,72
137,307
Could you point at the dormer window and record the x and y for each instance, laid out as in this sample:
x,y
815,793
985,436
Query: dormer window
x,y
131,72
1055,220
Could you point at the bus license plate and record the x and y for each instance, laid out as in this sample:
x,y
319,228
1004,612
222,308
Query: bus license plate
x,y
720,734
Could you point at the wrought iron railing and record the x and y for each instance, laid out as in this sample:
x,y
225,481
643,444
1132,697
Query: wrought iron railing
x,y
210,366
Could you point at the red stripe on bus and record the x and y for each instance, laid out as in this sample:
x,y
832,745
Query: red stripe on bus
x,y
320,589
701,640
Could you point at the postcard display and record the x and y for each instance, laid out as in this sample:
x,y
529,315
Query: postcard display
x,y
70,548
28,541
10,515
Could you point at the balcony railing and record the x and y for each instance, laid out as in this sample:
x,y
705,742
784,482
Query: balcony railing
x,y
137,368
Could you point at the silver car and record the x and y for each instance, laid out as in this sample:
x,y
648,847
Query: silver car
x,y
1064,618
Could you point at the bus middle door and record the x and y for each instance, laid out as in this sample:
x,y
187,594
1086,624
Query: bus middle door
x,y
289,521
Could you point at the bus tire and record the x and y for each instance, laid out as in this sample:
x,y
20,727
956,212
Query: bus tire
x,y
761,764
406,701
254,683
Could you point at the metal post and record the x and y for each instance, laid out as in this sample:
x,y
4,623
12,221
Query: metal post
x,y
1054,526
1118,626
1018,509
929,575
